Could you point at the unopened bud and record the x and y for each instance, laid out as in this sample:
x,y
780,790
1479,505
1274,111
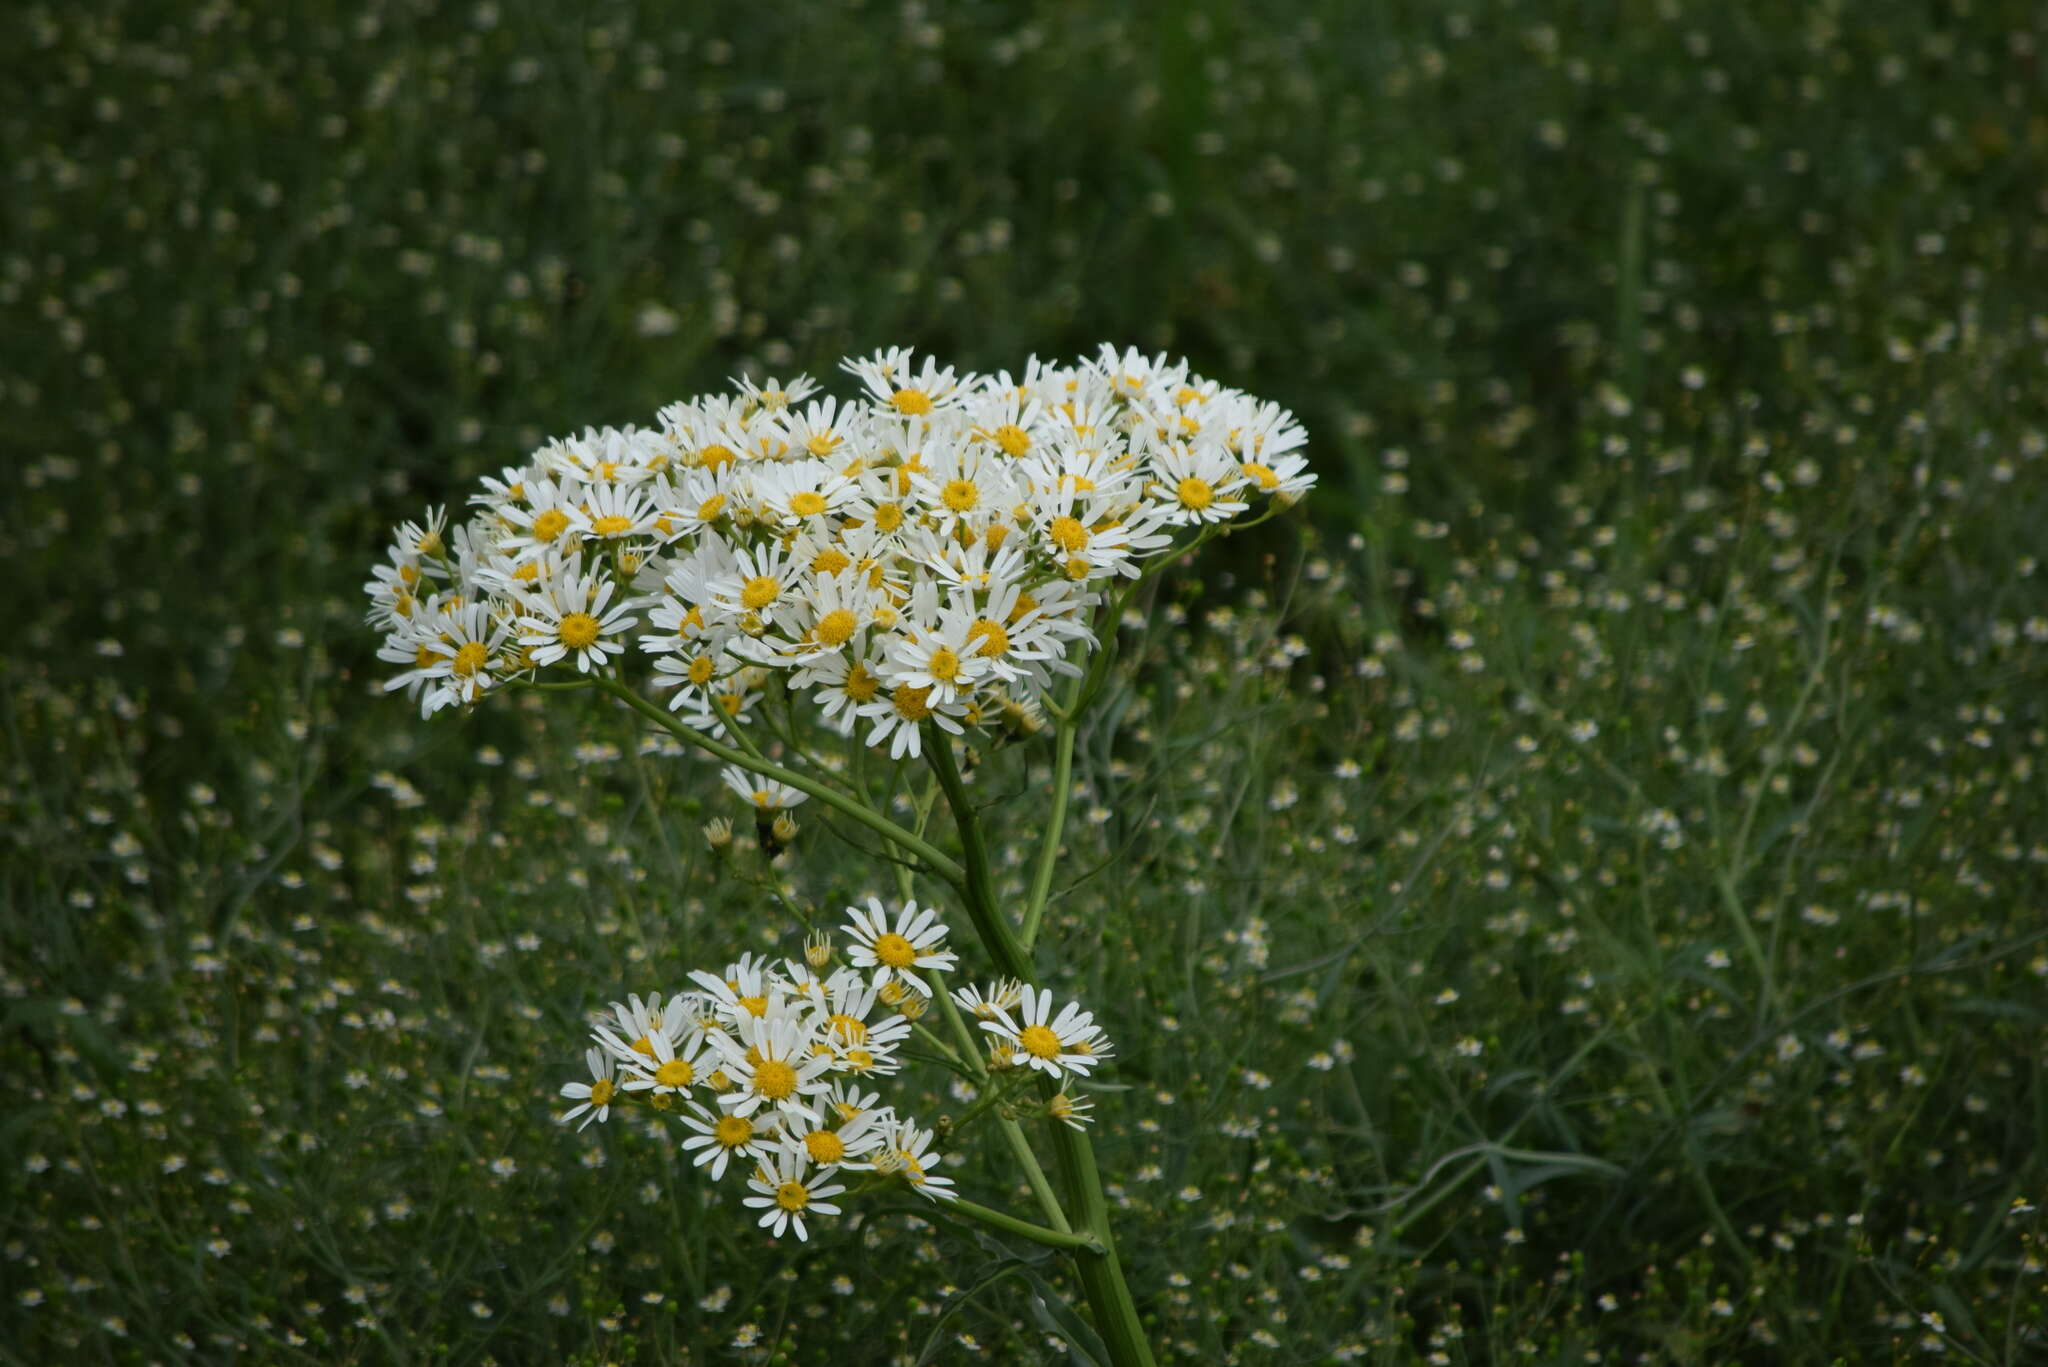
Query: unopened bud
x,y
818,949
718,834
913,1006
785,828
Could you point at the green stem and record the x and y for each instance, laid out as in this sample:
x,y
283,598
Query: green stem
x,y
881,825
1095,1263
1024,1229
1062,791
1101,1273
995,932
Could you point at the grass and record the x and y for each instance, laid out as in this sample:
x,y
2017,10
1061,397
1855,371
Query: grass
x,y
1576,890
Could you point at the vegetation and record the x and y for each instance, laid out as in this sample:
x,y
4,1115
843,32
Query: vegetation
x,y
1581,899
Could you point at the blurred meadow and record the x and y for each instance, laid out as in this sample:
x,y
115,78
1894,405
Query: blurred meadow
x,y
1576,890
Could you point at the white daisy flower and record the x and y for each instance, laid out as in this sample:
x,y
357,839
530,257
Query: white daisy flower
x,y
1070,1043
907,1150
829,1140
667,1070
613,512
761,793
595,1095
772,1063
573,620
916,940
788,1191
719,1137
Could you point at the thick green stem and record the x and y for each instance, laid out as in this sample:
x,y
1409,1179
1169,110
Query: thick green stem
x,y
881,825
1102,1277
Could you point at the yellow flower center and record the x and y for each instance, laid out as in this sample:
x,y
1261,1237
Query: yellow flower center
x,y
756,1006
776,1080
550,524
424,655
945,665
715,455
643,1047
994,639
1068,534
602,1091
831,560
1263,475
1195,494
888,517
578,631
611,525
792,1196
807,503
824,1146
732,1131
1025,603
1014,440
912,402
823,444
470,658
701,670
857,1060
861,685
711,507
960,495
852,1029
895,951
1039,1042
675,1073
835,627
912,704
760,591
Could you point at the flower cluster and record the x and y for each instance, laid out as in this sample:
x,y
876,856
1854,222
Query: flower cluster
x,y
929,551
765,1063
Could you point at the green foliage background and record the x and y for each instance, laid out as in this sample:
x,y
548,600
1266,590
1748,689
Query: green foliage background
x,y
1577,889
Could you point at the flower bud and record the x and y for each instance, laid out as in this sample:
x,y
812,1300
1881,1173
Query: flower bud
x,y
818,950
718,834
785,828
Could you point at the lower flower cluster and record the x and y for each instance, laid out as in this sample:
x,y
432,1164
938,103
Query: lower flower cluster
x,y
765,1063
